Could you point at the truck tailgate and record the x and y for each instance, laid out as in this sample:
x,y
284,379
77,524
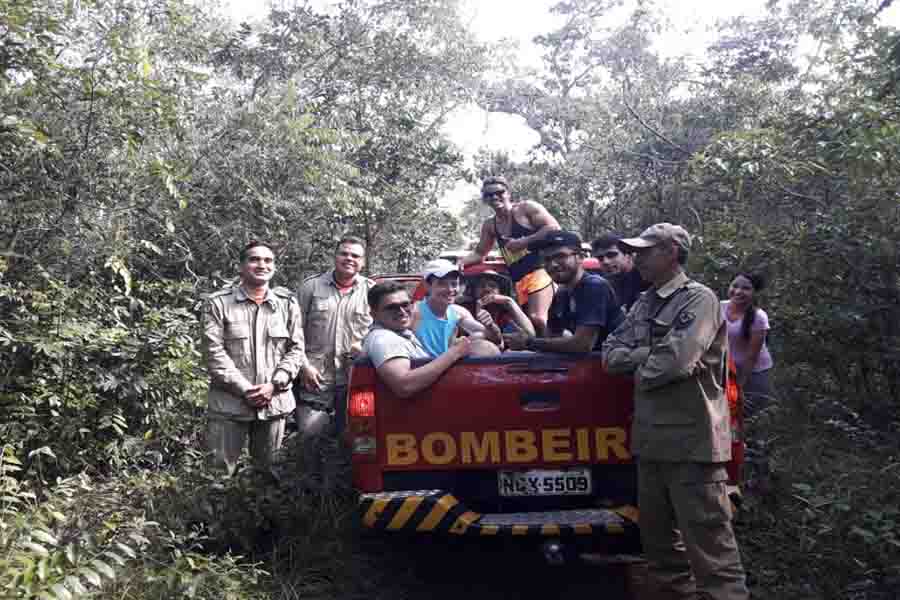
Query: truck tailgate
x,y
520,444
520,410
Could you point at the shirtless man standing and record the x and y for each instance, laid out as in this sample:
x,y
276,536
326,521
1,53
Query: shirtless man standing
x,y
514,226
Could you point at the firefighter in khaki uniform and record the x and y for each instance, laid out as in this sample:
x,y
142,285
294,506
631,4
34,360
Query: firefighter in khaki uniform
x,y
336,317
251,336
673,341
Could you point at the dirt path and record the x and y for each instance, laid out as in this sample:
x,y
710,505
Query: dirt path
x,y
435,569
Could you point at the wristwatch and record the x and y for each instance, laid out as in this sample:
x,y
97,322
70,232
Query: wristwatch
x,y
281,386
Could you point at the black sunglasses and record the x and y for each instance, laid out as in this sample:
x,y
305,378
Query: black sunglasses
x,y
492,195
397,307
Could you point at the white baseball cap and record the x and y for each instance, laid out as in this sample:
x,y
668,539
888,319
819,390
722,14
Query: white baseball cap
x,y
439,268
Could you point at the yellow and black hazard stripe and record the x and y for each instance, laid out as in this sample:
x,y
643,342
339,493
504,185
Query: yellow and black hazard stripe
x,y
430,511
440,512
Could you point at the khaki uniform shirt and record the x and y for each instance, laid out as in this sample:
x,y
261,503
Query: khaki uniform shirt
x,y
332,324
245,344
673,341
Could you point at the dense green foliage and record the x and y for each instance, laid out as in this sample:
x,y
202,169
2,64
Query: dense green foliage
x,y
143,141
787,170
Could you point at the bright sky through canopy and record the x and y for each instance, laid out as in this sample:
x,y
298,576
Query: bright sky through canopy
x,y
472,129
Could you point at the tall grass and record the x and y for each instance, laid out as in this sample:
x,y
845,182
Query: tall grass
x,y
821,516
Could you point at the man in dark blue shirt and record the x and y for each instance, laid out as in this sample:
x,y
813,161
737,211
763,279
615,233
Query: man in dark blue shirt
x,y
617,265
585,305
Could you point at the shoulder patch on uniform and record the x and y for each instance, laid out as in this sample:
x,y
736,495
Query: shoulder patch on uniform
x,y
696,285
282,291
685,318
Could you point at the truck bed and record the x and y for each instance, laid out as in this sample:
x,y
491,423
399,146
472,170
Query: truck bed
x,y
519,439
519,444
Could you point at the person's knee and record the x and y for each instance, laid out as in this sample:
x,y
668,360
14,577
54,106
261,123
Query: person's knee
x,y
483,348
538,319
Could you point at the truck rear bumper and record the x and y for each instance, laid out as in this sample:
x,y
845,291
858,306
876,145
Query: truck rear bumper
x,y
440,512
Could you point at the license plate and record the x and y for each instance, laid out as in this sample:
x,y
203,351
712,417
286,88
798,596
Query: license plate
x,y
545,482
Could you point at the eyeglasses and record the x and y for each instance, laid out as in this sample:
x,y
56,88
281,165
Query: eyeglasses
x,y
611,254
492,195
398,307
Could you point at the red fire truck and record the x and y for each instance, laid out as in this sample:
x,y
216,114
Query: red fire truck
x,y
519,445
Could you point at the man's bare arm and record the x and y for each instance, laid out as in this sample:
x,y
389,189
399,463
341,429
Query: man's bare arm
x,y
492,330
538,218
582,340
468,323
405,381
519,317
485,243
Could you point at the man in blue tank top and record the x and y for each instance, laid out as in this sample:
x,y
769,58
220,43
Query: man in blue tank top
x,y
438,320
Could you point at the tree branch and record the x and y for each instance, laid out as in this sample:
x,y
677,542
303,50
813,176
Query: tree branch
x,y
652,130
885,4
793,194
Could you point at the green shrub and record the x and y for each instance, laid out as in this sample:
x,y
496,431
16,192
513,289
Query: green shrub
x,y
100,539
92,370
821,516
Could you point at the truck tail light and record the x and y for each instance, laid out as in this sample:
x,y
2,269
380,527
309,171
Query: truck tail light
x,y
362,403
361,422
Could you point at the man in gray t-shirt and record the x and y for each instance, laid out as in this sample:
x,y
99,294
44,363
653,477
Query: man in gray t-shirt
x,y
381,345
392,346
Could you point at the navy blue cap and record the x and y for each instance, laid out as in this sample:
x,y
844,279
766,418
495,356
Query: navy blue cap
x,y
557,238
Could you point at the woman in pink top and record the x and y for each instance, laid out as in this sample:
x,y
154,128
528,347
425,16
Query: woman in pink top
x,y
747,328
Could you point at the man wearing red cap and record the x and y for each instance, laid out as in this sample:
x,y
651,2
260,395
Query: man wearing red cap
x,y
673,342
490,302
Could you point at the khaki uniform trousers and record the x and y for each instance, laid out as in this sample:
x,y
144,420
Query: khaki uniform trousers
x,y
226,439
320,422
685,524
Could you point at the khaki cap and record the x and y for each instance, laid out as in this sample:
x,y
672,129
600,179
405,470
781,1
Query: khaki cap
x,y
661,232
